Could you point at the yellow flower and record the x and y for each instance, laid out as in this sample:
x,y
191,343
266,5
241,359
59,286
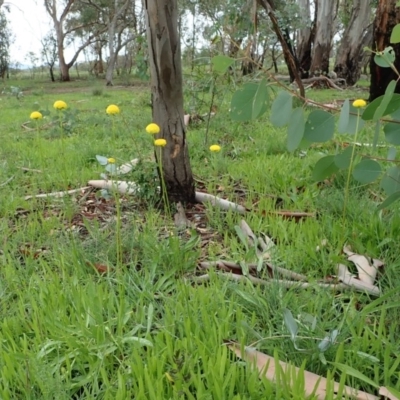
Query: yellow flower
x,y
36,115
215,148
112,109
153,129
111,160
359,103
160,142
60,105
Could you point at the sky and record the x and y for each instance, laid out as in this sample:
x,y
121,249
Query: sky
x,y
29,22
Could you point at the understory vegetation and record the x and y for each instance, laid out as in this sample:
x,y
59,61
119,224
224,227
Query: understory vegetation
x,y
100,296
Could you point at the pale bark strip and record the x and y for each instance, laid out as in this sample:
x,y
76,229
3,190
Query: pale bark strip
x,y
314,385
57,194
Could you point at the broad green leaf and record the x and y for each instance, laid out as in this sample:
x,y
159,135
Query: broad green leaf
x,y
367,171
390,182
385,101
355,123
389,200
111,168
376,134
243,107
260,98
392,133
344,117
295,130
391,155
290,323
395,36
385,58
320,126
355,373
342,160
221,63
324,168
281,109
393,106
102,160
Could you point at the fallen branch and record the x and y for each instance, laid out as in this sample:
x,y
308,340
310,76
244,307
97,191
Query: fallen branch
x,y
57,194
314,385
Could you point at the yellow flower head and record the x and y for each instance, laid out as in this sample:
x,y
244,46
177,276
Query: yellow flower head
x,y
160,142
215,148
111,160
359,103
60,105
153,129
112,109
36,115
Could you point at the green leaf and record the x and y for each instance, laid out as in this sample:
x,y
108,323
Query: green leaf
x,y
342,160
320,126
355,122
295,130
324,168
102,160
221,63
344,117
243,107
290,323
391,155
395,36
281,109
389,200
392,133
353,372
390,182
385,101
367,171
376,134
393,106
385,58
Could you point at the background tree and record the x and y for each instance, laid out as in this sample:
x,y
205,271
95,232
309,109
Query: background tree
x,y
5,42
167,96
349,54
49,53
386,17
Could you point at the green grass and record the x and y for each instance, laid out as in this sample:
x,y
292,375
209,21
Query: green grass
x,y
144,330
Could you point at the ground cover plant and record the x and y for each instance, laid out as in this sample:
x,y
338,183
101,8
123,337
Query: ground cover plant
x,y
100,296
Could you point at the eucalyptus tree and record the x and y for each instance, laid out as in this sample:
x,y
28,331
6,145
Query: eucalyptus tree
x,y
349,54
386,17
5,42
167,97
67,21
49,53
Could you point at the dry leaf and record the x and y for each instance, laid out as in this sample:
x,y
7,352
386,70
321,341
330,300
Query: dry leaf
x,y
366,271
313,384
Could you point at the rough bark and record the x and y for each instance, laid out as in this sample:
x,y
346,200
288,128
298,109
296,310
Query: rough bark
x,y
305,38
349,55
387,16
324,29
167,97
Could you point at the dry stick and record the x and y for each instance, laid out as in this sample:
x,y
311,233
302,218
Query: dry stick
x,y
57,194
7,181
288,284
39,171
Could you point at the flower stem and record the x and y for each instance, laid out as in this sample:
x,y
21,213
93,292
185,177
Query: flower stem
x,y
163,186
346,190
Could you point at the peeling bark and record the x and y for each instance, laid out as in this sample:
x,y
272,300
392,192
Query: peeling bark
x,y
349,56
167,97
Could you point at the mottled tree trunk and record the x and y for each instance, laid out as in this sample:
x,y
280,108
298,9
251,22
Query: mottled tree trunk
x,y
305,37
349,55
387,16
326,14
167,97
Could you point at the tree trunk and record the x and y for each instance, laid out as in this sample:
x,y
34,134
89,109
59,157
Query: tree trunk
x,y
305,38
349,55
387,16
167,97
326,14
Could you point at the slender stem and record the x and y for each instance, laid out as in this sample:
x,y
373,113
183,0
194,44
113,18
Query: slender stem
x,y
163,186
346,191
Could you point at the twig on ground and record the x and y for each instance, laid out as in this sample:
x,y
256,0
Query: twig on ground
x,y
7,181
57,194
39,171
